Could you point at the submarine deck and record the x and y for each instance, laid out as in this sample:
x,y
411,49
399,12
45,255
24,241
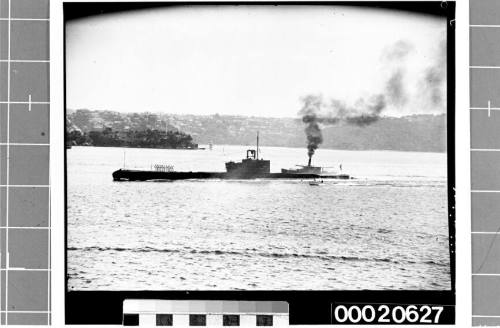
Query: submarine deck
x,y
138,175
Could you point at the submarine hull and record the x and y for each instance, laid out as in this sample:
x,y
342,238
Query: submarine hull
x,y
138,175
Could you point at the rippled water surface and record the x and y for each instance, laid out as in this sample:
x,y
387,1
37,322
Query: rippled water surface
x,y
386,229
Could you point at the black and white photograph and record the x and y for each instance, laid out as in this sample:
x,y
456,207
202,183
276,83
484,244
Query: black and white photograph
x,y
224,147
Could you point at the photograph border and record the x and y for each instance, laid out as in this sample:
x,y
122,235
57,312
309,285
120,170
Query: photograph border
x,y
306,307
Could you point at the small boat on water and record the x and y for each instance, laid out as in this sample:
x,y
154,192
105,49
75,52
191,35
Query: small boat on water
x,y
315,182
317,170
304,169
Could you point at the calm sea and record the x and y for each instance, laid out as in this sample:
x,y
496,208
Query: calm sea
x,y
386,229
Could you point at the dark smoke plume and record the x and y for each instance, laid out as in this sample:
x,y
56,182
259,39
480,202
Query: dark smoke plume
x,y
435,78
315,112
395,89
371,112
365,111
312,106
393,59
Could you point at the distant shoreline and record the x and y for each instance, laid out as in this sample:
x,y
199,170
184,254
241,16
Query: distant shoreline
x,y
114,146
420,133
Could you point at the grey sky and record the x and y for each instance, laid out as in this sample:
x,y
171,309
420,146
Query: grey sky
x,y
242,60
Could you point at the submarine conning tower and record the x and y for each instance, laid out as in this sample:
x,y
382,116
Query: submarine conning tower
x,y
249,167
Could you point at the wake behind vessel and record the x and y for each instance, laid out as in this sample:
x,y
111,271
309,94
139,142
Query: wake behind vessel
x,y
251,167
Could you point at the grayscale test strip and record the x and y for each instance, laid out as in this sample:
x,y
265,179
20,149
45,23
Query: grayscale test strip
x,y
485,160
24,162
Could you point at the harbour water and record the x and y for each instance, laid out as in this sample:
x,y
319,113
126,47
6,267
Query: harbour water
x,y
386,229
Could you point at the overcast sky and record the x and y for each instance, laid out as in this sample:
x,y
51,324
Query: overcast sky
x,y
254,61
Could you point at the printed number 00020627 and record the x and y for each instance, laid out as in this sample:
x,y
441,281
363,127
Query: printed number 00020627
x,y
399,314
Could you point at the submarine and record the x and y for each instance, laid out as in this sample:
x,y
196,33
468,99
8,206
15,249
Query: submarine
x,y
251,167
